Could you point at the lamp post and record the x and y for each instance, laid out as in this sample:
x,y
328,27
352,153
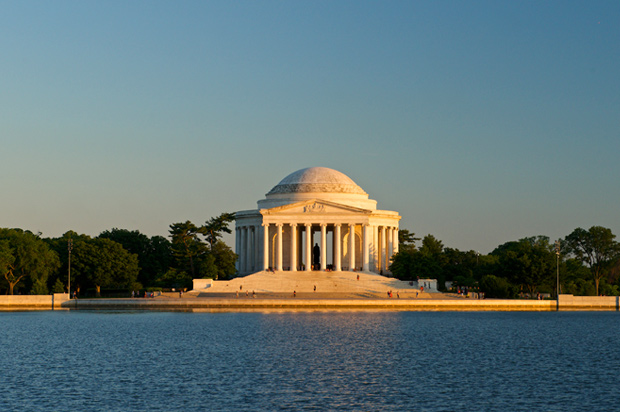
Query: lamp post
x,y
557,254
69,247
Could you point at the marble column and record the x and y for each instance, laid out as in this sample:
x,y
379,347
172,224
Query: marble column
x,y
383,251
248,250
242,254
265,246
337,248
323,246
279,246
351,246
365,251
375,243
256,242
237,250
293,247
389,248
300,248
395,240
308,247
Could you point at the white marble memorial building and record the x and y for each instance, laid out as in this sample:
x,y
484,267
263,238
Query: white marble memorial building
x,y
316,219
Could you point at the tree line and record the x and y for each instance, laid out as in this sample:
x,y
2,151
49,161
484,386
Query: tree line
x,y
588,262
117,260
120,260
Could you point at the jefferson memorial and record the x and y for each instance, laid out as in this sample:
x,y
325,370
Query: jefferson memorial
x,y
316,219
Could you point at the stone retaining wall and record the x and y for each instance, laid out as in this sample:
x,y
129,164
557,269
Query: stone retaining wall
x,y
33,302
62,301
234,304
570,302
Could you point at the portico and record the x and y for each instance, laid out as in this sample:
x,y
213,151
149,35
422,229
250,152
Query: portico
x,y
316,207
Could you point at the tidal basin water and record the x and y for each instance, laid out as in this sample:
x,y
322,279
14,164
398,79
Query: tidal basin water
x,y
312,361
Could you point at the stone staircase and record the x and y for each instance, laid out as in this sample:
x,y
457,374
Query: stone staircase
x,y
334,284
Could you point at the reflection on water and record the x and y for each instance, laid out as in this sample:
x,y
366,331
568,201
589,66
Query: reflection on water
x,y
424,361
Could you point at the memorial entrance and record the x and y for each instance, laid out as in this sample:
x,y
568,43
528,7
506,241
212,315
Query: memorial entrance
x,y
316,219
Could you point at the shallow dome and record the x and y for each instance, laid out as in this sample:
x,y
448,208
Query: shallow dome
x,y
317,179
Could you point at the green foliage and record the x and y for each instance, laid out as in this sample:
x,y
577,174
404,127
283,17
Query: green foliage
x,y
7,261
496,287
104,263
403,265
203,259
58,287
406,240
61,247
529,262
461,267
464,281
607,289
214,227
433,261
431,246
39,287
24,257
224,260
154,254
187,247
174,279
124,260
595,248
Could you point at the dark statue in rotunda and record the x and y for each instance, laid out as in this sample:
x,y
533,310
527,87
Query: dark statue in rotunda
x,y
316,257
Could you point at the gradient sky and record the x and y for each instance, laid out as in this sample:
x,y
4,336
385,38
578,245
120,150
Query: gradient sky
x,y
480,122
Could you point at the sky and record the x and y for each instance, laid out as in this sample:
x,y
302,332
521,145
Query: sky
x,y
480,122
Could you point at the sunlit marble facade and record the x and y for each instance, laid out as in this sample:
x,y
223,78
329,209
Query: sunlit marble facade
x,y
311,207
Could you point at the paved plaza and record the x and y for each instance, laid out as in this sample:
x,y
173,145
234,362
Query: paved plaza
x,y
329,285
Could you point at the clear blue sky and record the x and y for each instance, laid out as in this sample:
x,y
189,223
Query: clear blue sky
x,y
480,122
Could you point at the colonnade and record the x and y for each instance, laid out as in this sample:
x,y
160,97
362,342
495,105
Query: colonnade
x,y
263,247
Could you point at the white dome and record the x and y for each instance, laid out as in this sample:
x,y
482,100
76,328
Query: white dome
x,y
317,183
317,180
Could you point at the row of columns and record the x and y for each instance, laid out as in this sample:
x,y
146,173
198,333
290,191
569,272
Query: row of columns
x,y
383,238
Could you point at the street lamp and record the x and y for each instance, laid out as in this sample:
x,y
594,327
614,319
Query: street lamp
x,y
557,254
69,247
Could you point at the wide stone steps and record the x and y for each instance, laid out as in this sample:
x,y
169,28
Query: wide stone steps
x,y
368,285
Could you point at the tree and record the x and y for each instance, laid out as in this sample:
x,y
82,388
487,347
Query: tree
x,y
496,287
154,254
528,262
60,246
186,245
409,263
58,286
24,256
7,262
224,260
431,246
104,263
406,240
460,266
214,261
174,279
216,226
403,265
596,248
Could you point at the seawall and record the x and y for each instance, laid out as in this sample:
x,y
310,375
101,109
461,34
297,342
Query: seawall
x,y
242,304
62,301
33,302
570,302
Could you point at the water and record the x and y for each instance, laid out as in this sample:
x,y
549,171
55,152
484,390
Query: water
x,y
310,361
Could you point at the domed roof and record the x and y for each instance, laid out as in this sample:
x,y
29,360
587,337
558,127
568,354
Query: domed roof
x,y
317,179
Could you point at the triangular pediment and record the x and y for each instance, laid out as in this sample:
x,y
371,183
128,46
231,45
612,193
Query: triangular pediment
x,y
314,206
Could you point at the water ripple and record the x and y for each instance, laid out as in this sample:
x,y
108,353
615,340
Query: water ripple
x,y
309,361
